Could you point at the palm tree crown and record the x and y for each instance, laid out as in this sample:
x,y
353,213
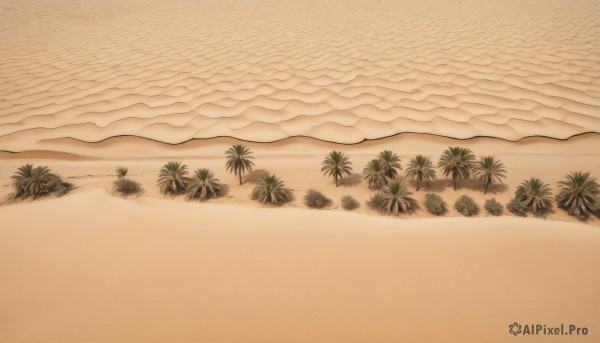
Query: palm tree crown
x,y
336,164
535,194
390,163
202,184
239,160
172,178
395,198
30,181
420,168
488,170
579,194
374,174
456,161
270,189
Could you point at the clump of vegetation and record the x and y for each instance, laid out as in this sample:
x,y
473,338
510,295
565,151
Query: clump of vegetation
x,y
122,171
316,199
172,178
202,185
420,169
349,203
579,194
239,160
126,186
375,201
458,162
39,181
489,170
466,205
390,163
395,198
336,164
434,204
536,196
375,174
270,189
493,206
517,207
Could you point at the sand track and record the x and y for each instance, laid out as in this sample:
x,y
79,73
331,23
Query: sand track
x,y
264,71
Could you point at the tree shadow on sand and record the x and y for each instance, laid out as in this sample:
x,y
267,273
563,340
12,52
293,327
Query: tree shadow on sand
x,y
255,176
439,185
349,181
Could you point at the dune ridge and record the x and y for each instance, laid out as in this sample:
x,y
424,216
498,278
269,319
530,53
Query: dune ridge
x,y
264,71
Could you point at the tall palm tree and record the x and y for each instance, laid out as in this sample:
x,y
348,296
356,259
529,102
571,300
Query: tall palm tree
x,y
30,181
374,174
456,161
579,194
172,178
390,163
488,170
239,160
420,168
535,194
336,164
202,184
270,189
395,198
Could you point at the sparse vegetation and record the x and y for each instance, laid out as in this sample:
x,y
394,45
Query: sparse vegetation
x,y
489,170
390,163
457,162
270,189
517,207
420,169
579,194
29,181
434,204
239,160
172,178
316,199
375,201
466,205
336,164
126,186
535,194
395,198
202,185
374,174
493,207
349,203
122,171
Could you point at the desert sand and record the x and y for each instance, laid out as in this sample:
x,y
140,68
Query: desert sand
x,y
89,86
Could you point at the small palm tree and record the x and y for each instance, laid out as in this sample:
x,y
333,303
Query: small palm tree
x,y
270,189
30,181
239,160
489,170
535,194
336,164
172,178
456,161
395,198
390,163
420,168
202,185
579,194
374,174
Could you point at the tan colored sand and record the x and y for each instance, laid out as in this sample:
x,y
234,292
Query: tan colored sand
x,y
340,71
92,267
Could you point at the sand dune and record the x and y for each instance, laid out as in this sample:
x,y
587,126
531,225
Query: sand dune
x,y
107,269
340,71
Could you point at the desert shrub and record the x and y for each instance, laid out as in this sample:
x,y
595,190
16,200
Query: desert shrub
x,y
517,207
434,203
375,201
493,206
122,171
349,203
466,205
315,199
125,186
56,186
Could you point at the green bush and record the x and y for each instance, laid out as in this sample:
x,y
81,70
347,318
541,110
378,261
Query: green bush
x,y
57,186
517,207
466,205
125,186
434,203
349,203
493,207
375,201
315,199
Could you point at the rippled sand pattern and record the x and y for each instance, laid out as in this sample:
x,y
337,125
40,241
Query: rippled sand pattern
x,y
341,71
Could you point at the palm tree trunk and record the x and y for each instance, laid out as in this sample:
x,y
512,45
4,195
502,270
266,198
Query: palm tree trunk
x,y
454,177
240,174
418,182
336,182
486,188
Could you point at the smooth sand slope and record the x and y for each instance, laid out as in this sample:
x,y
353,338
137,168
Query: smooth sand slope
x,y
340,71
104,269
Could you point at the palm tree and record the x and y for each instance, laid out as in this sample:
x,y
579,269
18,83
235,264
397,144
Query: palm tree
x,y
172,178
457,161
202,184
30,181
579,194
374,174
336,164
535,194
395,198
488,170
390,163
239,160
420,168
270,189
